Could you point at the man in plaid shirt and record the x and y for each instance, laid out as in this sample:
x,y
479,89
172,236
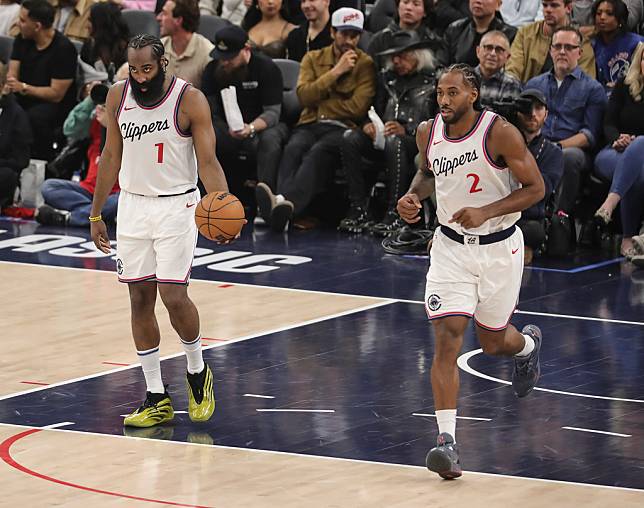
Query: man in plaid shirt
x,y
493,52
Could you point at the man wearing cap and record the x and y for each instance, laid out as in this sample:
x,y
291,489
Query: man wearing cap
x,y
258,85
336,87
402,101
493,51
549,159
314,34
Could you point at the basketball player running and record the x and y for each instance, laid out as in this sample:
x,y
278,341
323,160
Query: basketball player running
x,y
157,125
477,161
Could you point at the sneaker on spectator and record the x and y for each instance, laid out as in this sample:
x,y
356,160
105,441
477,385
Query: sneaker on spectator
x,y
280,215
389,223
265,201
638,243
356,220
50,216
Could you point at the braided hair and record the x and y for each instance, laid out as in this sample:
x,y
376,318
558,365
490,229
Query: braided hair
x,y
144,40
470,77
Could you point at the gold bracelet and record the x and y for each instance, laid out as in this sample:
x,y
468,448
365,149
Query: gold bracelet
x,y
98,218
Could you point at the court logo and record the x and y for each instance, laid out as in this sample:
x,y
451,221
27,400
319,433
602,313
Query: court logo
x,y
434,302
119,267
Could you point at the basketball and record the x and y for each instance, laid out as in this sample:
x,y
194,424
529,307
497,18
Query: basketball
x,y
219,216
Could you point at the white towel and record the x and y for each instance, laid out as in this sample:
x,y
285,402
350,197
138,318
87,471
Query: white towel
x,y
379,141
231,109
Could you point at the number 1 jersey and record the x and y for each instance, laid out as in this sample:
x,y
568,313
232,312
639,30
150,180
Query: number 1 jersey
x,y
465,175
158,157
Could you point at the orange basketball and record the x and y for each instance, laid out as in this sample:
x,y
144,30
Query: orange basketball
x,y
219,216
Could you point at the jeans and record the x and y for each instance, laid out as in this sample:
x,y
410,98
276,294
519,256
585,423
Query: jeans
x,y
68,195
576,162
399,153
309,160
626,172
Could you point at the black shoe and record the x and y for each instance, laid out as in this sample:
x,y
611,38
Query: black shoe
x,y
356,220
444,458
391,222
50,216
265,201
527,368
280,215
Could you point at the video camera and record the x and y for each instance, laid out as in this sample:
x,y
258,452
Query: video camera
x,y
508,107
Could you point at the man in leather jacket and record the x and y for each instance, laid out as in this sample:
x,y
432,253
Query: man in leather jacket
x,y
404,98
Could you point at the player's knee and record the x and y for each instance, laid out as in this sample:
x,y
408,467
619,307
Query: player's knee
x,y
492,347
174,300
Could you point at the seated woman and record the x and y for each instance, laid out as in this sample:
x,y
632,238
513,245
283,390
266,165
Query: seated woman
x,y
614,44
267,27
622,161
105,50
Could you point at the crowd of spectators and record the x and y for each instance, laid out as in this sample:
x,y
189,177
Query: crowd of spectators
x,y
568,73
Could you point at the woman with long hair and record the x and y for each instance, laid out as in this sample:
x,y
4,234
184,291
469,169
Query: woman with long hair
x,y
267,25
622,161
614,44
106,47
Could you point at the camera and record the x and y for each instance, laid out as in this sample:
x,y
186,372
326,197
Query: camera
x,y
508,107
99,94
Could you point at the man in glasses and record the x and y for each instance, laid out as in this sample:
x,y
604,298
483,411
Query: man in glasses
x,y
576,104
530,48
493,52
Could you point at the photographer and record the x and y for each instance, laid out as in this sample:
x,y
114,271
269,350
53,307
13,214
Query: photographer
x,y
531,114
68,202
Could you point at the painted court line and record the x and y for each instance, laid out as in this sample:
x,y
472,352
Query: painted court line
x,y
258,396
295,410
57,425
34,383
598,431
463,360
264,333
324,457
458,417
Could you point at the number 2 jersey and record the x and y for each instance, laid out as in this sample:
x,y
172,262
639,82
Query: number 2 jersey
x,y
465,175
158,157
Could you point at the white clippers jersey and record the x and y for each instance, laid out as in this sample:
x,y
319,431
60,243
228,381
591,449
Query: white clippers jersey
x,y
158,158
465,175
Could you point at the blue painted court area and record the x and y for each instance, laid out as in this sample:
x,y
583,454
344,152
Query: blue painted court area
x,y
369,372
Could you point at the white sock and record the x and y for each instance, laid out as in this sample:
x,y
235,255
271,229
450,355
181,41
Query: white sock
x,y
194,355
279,198
447,421
151,365
529,346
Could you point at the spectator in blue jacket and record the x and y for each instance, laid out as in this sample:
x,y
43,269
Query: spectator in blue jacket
x,y
614,44
576,104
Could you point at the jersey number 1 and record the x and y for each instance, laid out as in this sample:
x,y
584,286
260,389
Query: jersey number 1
x,y
474,188
160,153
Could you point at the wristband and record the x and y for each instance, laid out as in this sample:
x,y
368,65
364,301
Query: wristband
x,y
98,218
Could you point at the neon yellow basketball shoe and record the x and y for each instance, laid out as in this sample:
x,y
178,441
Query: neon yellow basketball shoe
x,y
201,395
156,409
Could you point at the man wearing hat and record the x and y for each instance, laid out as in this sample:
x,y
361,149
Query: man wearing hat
x,y
404,98
336,87
258,84
549,159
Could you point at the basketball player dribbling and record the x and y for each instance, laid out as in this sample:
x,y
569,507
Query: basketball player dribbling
x,y
484,176
159,140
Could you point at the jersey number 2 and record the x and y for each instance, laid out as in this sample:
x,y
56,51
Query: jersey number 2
x,y
474,188
160,152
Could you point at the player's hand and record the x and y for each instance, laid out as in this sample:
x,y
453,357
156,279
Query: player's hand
x,y
346,63
394,129
408,207
231,240
99,236
370,130
469,217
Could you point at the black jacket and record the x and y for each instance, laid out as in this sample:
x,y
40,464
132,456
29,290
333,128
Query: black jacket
x,y
462,39
15,135
406,99
549,159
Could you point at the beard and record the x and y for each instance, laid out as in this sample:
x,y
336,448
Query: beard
x,y
227,77
153,86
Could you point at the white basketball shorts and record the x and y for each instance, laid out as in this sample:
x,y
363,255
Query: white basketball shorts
x,y
479,281
156,237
